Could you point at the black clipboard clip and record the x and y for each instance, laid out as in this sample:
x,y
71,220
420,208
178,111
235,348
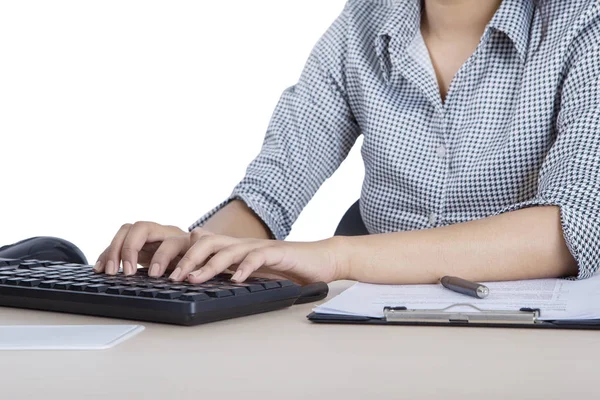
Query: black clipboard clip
x,y
446,315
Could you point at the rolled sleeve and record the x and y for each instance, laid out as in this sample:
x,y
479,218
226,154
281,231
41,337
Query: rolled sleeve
x,y
310,133
570,175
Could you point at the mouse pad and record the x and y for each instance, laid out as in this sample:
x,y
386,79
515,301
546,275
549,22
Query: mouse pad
x,y
65,337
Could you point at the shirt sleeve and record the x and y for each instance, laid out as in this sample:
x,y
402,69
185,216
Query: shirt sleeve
x,y
311,131
570,175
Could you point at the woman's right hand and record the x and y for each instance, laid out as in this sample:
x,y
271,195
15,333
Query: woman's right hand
x,y
136,244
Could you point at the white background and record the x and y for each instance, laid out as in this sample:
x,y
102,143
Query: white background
x,y
118,111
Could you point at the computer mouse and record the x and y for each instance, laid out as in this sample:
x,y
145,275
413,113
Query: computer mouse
x,y
46,248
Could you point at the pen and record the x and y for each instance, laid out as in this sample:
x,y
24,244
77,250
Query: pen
x,y
464,286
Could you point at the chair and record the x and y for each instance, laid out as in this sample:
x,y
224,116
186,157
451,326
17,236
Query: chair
x,y
352,223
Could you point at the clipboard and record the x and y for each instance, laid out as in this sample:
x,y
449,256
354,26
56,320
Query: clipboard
x,y
524,318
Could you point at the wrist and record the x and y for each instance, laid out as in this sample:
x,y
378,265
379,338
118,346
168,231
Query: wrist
x,y
339,257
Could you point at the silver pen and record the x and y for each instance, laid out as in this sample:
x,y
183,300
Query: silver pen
x,y
464,286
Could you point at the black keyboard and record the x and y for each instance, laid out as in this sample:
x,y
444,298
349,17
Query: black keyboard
x,y
76,288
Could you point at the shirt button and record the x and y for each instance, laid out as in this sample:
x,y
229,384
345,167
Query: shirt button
x,y
441,151
432,219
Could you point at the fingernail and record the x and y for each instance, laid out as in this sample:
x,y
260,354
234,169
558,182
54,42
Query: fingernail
x,y
196,274
98,266
127,268
110,268
236,277
175,275
154,269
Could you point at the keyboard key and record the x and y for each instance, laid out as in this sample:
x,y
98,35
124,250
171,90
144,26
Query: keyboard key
x,y
191,296
146,285
196,289
132,291
13,281
29,264
116,289
72,267
286,283
97,288
79,287
48,284
169,294
63,285
30,282
7,273
43,263
218,292
236,290
161,286
42,269
270,285
9,262
149,292
183,288
84,275
252,287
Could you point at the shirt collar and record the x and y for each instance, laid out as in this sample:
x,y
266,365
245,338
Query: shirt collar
x,y
402,22
397,32
513,17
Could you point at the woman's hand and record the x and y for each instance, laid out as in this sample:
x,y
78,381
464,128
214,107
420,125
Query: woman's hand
x,y
207,254
136,244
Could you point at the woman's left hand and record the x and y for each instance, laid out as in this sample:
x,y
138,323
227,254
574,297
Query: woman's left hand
x,y
211,254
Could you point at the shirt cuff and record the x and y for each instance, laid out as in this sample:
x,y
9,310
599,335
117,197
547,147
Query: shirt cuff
x,y
256,204
583,241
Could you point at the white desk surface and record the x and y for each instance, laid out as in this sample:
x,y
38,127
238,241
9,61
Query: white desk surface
x,y
281,355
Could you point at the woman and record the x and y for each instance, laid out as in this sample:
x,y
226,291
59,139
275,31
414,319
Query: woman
x,y
481,124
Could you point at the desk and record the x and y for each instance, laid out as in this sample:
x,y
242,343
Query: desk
x,y
281,355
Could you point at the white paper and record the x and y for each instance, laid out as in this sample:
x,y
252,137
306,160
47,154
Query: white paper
x,y
556,298
65,337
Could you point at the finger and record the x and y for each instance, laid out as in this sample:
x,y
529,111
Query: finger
x,y
100,263
224,259
169,250
199,253
140,234
266,256
108,261
133,243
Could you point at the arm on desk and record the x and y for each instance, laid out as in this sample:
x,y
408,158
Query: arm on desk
x,y
523,244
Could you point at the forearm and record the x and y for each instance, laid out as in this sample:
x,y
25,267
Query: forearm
x,y
237,220
523,244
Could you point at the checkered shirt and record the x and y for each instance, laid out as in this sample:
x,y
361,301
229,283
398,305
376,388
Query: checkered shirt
x,y
520,125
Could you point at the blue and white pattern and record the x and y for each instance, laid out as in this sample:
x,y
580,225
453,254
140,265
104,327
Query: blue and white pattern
x,y
520,125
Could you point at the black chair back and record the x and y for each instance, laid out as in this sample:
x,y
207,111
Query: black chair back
x,y
352,223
